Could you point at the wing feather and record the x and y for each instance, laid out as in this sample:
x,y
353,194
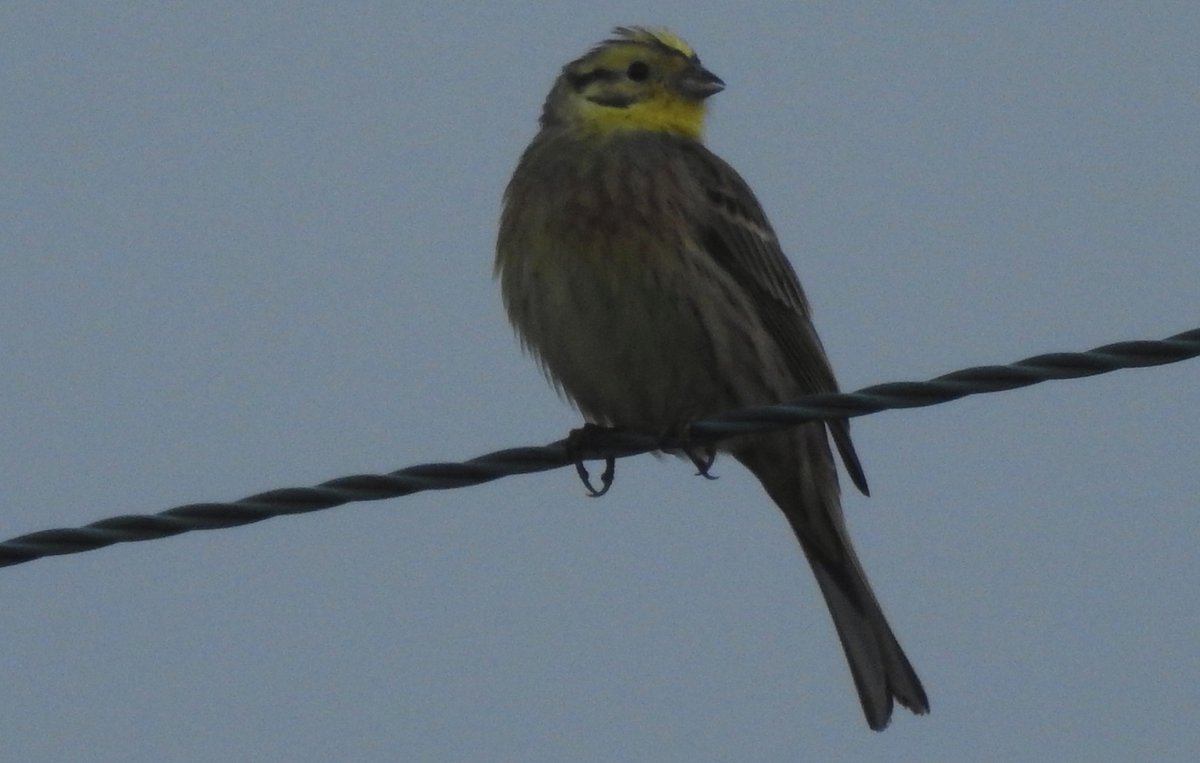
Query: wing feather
x,y
734,230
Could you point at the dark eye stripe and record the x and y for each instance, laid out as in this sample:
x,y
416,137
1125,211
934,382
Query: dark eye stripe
x,y
582,79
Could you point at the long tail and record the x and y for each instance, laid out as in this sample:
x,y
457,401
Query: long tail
x,y
797,469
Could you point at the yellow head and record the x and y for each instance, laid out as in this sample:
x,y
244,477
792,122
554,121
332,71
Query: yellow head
x,y
642,79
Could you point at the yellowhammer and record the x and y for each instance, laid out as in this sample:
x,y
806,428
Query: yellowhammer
x,y
640,270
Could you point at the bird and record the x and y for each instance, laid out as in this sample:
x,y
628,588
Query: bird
x,y
640,271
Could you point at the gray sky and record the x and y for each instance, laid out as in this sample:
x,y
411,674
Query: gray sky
x,y
245,248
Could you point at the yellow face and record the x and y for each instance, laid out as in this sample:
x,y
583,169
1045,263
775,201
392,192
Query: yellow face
x,y
649,81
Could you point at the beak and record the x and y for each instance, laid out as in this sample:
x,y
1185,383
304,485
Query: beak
x,y
699,83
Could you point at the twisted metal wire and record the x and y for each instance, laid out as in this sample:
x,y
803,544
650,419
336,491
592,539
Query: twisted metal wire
x,y
503,463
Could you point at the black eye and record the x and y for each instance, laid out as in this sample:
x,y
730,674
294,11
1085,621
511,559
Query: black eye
x,y
638,71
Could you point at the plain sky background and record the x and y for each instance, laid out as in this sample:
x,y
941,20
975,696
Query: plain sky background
x,y
249,245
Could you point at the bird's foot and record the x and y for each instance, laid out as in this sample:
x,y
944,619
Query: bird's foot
x,y
700,453
702,457
578,440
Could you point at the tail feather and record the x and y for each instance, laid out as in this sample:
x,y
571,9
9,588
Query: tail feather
x,y
880,669
797,470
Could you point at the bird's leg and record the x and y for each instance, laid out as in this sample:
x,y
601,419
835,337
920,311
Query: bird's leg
x,y
577,441
701,454
702,457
